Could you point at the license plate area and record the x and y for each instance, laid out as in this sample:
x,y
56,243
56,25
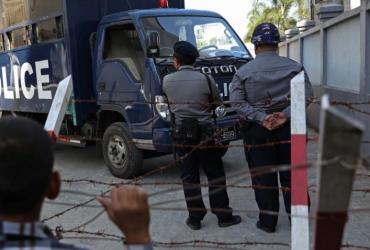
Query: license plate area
x,y
228,134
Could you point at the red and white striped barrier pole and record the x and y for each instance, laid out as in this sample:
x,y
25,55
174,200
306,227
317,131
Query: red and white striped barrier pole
x,y
58,108
299,210
340,149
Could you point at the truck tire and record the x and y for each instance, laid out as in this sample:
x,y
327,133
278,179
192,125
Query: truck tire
x,y
123,158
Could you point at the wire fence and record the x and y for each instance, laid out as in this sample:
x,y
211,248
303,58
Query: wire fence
x,y
167,206
262,104
170,187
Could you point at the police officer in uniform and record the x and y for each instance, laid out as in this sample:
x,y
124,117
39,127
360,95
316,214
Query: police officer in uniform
x,y
189,93
261,90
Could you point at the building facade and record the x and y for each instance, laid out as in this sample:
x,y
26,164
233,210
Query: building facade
x,y
336,55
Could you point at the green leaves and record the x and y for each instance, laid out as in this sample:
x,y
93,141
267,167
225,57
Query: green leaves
x,y
283,13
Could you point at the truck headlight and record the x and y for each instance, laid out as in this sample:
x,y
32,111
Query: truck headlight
x,y
161,106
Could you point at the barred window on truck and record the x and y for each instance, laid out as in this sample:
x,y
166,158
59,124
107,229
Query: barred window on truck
x,y
43,31
20,38
1,43
50,29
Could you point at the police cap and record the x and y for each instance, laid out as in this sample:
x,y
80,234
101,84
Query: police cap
x,y
266,34
185,50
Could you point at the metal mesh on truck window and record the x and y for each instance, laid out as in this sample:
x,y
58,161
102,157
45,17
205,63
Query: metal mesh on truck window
x,y
17,11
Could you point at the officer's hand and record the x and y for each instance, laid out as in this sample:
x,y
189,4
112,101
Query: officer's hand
x,y
128,208
269,122
280,119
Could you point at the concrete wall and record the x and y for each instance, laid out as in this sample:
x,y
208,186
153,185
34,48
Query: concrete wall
x,y
336,55
343,55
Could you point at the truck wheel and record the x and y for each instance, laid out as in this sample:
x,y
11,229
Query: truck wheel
x,y
122,157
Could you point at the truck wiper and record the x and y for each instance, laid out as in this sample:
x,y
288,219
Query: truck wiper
x,y
163,60
206,60
243,59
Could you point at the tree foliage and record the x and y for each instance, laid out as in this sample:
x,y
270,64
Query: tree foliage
x,y
283,13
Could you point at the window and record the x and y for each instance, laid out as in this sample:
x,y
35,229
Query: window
x,y
92,41
1,43
7,41
217,38
122,43
29,35
212,36
50,29
36,33
182,34
19,38
60,26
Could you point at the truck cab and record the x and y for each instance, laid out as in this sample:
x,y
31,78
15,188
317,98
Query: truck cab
x,y
132,53
117,54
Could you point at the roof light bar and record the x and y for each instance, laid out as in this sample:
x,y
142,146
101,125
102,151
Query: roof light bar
x,y
163,3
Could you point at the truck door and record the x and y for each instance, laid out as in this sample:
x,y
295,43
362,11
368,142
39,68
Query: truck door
x,y
121,74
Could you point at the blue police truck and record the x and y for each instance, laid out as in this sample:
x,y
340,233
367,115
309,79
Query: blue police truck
x,y
118,52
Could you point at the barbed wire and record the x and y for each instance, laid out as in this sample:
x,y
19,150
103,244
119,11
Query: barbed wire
x,y
355,246
60,232
74,207
160,205
279,105
185,209
216,145
175,186
101,235
259,172
241,175
161,184
266,102
263,103
83,204
135,180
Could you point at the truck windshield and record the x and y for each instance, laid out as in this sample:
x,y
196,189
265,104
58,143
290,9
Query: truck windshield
x,y
212,36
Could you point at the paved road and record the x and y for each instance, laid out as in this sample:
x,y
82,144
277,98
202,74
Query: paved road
x,y
168,226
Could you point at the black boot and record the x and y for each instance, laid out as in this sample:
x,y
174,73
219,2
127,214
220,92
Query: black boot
x,y
233,220
265,228
193,223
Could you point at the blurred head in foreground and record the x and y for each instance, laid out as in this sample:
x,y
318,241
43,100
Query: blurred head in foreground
x,y
26,169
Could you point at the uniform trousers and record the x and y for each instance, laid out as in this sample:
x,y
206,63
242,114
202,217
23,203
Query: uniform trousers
x,y
266,186
211,163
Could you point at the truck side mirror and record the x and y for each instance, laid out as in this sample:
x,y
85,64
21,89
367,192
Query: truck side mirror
x,y
153,43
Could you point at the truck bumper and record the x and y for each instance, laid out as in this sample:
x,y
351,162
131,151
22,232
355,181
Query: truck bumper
x,y
162,139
